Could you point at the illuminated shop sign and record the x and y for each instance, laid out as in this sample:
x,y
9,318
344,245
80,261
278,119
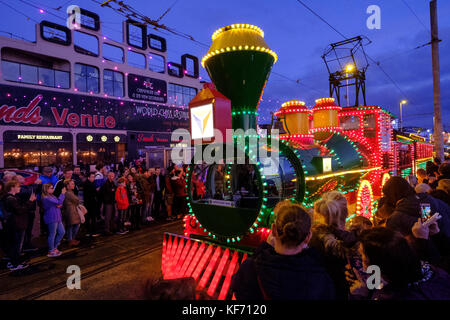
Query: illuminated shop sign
x,y
33,136
31,107
37,137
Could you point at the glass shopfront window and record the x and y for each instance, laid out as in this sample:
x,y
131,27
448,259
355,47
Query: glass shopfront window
x,y
23,149
105,148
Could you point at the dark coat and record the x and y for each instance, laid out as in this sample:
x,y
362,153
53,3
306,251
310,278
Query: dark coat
x,y
90,194
437,205
406,213
18,210
162,182
434,286
282,277
108,192
335,246
441,195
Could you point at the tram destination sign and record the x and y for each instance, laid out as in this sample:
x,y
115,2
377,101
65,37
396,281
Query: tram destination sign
x,y
43,108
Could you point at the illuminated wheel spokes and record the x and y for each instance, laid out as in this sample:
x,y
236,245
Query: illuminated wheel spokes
x,y
364,204
386,177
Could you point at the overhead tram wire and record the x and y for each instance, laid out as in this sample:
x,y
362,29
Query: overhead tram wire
x,y
377,63
19,12
418,19
170,31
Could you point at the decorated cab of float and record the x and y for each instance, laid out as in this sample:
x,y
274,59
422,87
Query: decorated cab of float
x,y
231,199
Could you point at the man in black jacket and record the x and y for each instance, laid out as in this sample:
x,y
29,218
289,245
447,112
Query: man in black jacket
x,y
107,194
17,222
67,174
160,185
92,204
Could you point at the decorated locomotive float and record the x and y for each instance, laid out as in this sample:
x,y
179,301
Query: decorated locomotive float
x,y
352,150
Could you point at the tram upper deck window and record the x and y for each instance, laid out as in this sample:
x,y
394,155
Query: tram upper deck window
x,y
180,95
113,83
136,59
85,43
19,72
350,122
112,53
10,71
86,78
47,77
62,79
29,74
156,63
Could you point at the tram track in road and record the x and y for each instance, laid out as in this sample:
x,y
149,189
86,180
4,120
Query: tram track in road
x,y
86,275
107,253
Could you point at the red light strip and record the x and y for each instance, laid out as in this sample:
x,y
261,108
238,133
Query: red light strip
x,y
218,274
202,262
164,254
187,262
170,257
196,259
174,262
178,270
209,269
167,255
227,281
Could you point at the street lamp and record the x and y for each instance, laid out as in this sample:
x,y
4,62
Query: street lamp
x,y
348,68
401,114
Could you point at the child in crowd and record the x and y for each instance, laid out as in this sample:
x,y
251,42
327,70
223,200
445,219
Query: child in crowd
x,y
122,204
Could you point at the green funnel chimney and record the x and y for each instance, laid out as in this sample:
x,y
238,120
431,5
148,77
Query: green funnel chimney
x,y
239,63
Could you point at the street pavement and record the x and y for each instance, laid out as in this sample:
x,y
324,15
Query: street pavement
x,y
112,267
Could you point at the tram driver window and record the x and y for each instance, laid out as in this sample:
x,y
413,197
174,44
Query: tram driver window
x,y
86,78
350,122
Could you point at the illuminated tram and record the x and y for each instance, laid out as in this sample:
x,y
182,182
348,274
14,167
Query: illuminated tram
x,y
351,150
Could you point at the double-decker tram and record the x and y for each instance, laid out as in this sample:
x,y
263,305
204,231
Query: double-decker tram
x,y
75,96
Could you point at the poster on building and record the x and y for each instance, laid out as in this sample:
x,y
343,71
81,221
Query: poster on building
x,y
148,89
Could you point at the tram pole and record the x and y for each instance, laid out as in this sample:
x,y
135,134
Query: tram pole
x,y
438,130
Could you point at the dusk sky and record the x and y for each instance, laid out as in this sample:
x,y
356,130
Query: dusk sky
x,y
299,38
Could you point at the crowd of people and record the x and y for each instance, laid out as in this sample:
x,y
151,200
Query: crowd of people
x,y
309,255
324,255
111,199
